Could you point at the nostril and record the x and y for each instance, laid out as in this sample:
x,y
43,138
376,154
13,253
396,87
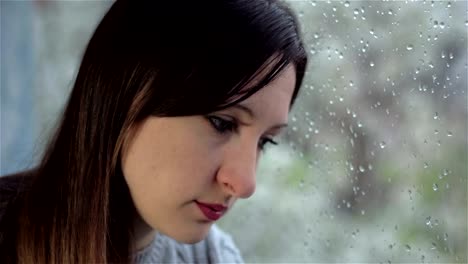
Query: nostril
x,y
229,187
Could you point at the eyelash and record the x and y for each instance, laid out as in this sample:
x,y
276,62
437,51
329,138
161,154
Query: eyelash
x,y
223,126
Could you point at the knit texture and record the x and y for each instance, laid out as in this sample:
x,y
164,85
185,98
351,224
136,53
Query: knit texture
x,y
217,247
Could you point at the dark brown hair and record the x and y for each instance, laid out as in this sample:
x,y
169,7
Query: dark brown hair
x,y
161,58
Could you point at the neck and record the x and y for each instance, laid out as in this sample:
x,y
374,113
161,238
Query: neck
x,y
143,233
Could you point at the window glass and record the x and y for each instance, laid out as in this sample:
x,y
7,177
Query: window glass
x,y
373,165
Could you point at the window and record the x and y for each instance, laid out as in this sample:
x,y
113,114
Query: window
x,y
373,167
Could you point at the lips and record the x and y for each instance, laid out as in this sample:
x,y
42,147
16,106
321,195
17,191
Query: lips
x,y
212,211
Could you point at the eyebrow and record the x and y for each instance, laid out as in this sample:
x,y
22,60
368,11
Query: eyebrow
x,y
252,115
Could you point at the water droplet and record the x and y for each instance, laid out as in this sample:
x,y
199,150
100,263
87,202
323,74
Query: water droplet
x,y
346,4
382,144
449,134
408,248
436,116
446,172
361,168
426,165
371,64
435,187
445,236
356,11
428,221
409,47
434,246
294,128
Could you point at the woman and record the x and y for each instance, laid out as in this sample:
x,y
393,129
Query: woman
x,y
171,106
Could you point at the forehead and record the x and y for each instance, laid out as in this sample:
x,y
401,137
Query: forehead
x,y
275,97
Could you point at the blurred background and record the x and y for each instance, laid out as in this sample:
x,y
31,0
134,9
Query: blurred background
x,y
373,167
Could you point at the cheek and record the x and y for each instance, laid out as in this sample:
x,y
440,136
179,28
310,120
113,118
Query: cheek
x,y
177,159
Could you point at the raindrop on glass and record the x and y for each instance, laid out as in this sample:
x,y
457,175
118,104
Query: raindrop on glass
x,y
436,116
382,144
346,4
408,248
428,221
446,172
361,168
371,64
435,187
409,47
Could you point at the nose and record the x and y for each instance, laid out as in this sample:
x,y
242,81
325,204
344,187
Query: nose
x,y
237,172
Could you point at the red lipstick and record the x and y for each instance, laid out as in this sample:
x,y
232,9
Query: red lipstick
x,y
212,211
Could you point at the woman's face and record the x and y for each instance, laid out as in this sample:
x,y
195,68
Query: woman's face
x,y
181,171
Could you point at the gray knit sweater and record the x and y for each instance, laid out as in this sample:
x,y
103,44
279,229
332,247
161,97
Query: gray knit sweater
x,y
217,247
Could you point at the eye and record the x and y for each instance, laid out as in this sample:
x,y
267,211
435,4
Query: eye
x,y
222,125
264,141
